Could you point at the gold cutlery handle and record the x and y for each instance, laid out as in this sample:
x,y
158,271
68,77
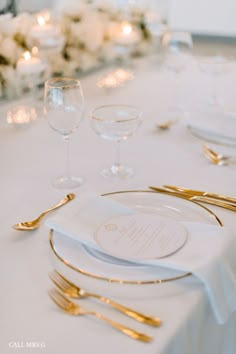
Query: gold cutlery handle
x,y
194,192
178,194
214,202
220,197
126,330
65,200
197,198
152,321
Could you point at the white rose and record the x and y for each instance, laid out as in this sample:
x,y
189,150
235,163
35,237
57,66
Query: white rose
x,y
73,53
10,50
6,24
60,65
12,87
71,8
23,23
76,33
92,32
70,67
88,61
108,52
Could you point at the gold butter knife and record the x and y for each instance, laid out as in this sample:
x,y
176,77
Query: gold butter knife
x,y
202,193
196,198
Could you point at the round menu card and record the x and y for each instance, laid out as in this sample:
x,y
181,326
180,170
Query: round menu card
x,y
140,236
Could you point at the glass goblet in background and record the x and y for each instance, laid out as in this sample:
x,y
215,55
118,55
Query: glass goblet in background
x,y
177,47
116,123
177,55
216,66
64,105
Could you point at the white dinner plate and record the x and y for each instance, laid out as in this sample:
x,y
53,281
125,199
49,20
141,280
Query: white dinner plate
x,y
100,267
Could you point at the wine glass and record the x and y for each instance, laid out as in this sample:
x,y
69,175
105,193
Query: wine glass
x,y
177,53
215,65
177,48
116,123
64,105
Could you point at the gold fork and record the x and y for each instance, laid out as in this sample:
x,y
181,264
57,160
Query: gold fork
x,y
74,309
215,157
74,291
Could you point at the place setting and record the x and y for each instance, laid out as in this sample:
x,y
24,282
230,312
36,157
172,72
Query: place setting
x,y
98,237
141,239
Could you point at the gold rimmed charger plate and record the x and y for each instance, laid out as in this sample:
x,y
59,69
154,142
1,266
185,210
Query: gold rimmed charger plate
x,y
148,202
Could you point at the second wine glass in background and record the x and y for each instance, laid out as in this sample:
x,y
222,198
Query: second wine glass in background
x,y
116,123
64,106
215,65
177,48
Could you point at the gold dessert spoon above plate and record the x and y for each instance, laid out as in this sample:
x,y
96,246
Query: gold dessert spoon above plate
x,y
35,224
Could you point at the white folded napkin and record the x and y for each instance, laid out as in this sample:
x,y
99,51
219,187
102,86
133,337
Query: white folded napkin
x,y
209,253
83,215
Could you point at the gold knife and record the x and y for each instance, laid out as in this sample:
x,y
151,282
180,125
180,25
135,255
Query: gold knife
x,y
196,198
202,193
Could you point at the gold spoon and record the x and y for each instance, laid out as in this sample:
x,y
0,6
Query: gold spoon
x,y
166,125
215,157
34,224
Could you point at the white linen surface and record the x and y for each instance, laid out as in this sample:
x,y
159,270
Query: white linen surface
x,y
208,252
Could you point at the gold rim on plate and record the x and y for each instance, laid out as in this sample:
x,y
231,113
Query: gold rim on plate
x,y
122,281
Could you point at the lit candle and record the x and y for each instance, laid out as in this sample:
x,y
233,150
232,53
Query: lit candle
x,y
28,64
44,29
21,115
115,78
127,34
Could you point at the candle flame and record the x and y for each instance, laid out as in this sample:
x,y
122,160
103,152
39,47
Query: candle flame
x,y
27,55
43,17
127,28
46,15
41,20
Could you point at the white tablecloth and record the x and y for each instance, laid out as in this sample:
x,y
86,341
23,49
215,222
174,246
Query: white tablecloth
x,y
30,157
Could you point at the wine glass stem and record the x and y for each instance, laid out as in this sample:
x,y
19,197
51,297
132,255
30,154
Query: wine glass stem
x,y
66,139
117,154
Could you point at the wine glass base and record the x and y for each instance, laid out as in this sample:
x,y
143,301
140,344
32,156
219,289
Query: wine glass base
x,y
119,172
67,183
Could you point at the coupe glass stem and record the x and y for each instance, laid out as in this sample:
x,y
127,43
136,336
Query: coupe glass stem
x,y
66,139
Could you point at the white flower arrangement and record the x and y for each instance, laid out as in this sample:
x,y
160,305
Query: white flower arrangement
x,y
88,29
